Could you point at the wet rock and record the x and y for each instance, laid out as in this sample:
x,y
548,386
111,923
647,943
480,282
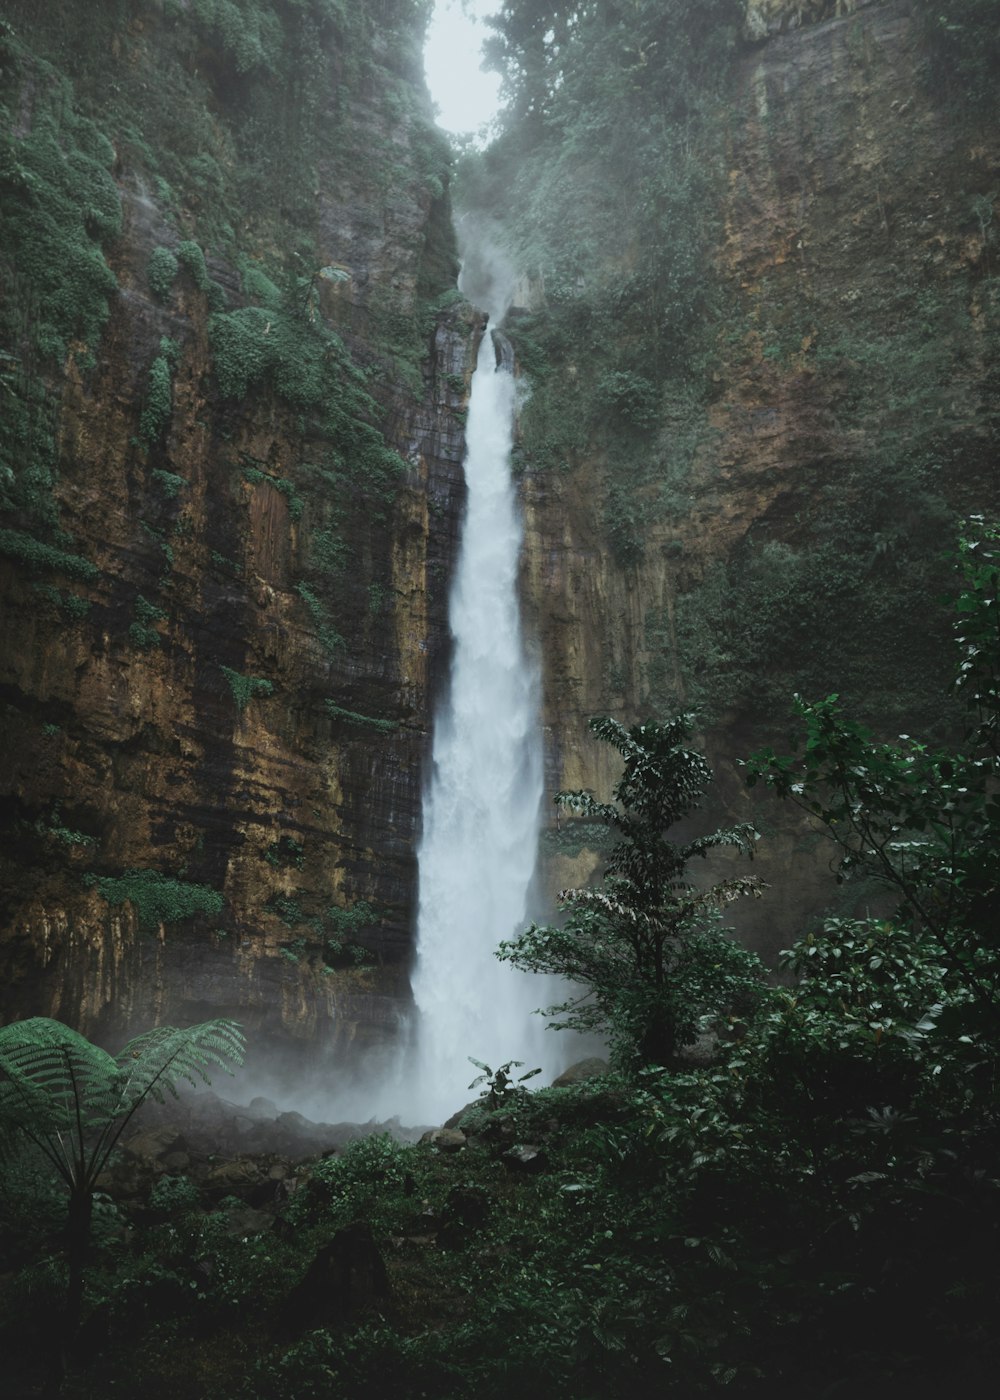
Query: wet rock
x,y
423,1227
244,1221
591,1068
456,1118
232,1178
154,1144
525,1157
445,1139
466,1211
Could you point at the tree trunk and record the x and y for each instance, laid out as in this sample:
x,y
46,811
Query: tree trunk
x,y
81,1207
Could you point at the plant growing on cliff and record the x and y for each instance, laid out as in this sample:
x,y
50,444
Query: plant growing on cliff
x,y
159,395
924,822
244,688
72,1101
643,946
160,272
157,898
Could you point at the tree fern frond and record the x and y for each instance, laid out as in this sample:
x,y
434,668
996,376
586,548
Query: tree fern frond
x,y
54,1081
48,1069
152,1063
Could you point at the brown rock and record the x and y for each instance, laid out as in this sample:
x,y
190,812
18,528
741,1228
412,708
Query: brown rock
x,y
592,1068
445,1139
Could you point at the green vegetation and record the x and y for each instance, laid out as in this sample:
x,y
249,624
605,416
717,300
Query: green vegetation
x,y
157,898
59,209
607,185
333,938
59,206
226,118
72,1101
37,556
191,258
71,605
169,482
161,271
811,1203
964,49
244,688
351,717
326,634
159,402
54,828
844,606
343,931
143,633
639,946
280,483
616,219
284,853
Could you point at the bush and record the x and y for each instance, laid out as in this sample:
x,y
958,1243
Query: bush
x,y
160,272
157,898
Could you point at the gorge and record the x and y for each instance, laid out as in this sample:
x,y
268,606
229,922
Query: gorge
x,y
756,311
406,540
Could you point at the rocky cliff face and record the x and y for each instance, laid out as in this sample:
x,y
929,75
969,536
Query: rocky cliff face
x,y
762,345
232,480
788,500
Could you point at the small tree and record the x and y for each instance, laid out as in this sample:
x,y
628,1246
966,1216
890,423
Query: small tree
x,y
644,947
73,1101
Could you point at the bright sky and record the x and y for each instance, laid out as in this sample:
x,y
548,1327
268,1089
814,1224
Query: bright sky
x,y
465,97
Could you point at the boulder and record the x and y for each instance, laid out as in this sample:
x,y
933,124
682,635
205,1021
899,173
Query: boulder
x,y
591,1068
153,1144
445,1139
525,1157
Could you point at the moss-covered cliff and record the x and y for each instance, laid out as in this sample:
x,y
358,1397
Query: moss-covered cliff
x,y
231,407
758,317
759,258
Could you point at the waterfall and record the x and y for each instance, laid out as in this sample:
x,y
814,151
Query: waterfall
x,y
482,805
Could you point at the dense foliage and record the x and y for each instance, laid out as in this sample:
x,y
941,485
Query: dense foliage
x,y
649,965
72,1101
813,1207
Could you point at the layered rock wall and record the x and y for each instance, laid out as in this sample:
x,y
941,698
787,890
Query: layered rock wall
x,y
225,622
847,419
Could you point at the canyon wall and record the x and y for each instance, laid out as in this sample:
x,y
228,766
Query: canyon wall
x,y
758,339
769,511
235,375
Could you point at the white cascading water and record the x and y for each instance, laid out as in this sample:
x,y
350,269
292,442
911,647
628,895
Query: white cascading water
x,y
482,808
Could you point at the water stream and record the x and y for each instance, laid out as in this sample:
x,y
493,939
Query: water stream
x,y
482,806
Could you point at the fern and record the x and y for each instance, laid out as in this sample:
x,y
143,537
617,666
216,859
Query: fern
x,y
73,1101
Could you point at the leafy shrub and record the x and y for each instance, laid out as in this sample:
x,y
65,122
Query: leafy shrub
x,y
631,397
159,402
157,898
351,717
142,633
244,688
60,203
70,604
38,556
160,272
173,1195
